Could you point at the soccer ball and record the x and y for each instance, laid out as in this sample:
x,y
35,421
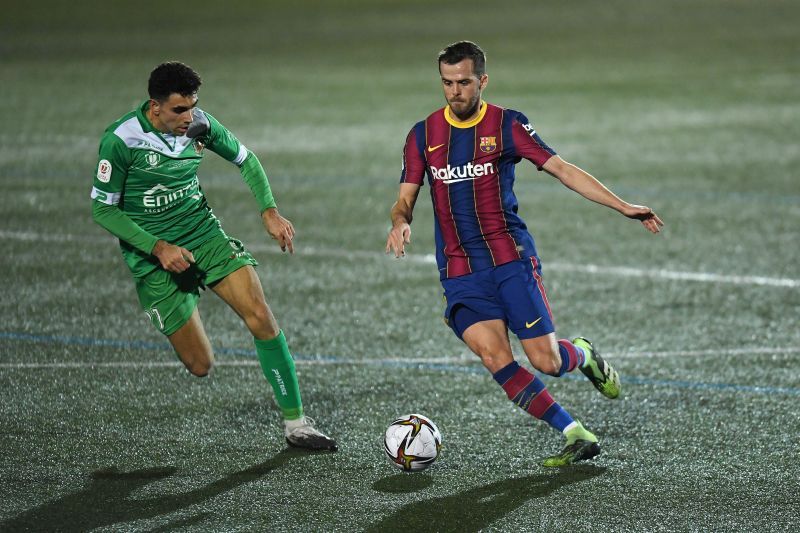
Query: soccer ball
x,y
412,442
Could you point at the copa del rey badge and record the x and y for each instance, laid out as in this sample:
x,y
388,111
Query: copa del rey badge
x,y
488,144
104,171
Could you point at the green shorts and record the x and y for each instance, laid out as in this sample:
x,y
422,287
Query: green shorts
x,y
169,299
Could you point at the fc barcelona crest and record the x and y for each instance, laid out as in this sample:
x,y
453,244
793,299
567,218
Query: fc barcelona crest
x,y
488,144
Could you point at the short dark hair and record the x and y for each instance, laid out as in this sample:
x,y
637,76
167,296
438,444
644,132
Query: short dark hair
x,y
172,77
457,52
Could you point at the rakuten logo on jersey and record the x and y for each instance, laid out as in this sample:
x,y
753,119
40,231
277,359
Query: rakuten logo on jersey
x,y
470,171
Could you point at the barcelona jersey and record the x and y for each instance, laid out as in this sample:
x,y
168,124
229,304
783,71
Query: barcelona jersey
x,y
470,170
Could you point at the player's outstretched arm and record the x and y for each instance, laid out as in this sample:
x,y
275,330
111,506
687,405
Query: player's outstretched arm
x,y
402,215
279,228
590,188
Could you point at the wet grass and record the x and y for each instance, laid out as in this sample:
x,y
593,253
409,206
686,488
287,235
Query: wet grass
x,y
688,108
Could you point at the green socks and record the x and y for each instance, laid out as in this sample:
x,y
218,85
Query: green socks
x,y
278,367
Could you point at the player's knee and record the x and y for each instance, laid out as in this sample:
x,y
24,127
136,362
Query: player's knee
x,y
261,323
200,368
492,358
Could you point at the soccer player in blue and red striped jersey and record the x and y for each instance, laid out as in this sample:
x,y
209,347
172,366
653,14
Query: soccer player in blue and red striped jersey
x,y
487,259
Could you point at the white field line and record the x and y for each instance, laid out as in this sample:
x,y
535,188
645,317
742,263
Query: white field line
x,y
395,361
241,362
701,353
246,362
430,259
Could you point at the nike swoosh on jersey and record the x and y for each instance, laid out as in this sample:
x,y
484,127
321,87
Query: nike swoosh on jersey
x,y
434,148
457,180
529,325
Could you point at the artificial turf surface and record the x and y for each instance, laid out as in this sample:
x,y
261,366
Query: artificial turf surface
x,y
689,107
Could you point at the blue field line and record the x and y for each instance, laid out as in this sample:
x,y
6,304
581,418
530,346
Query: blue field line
x,y
442,367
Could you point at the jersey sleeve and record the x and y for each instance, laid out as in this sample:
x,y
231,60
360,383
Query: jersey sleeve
x,y
120,225
527,142
223,143
413,159
109,183
253,174
112,170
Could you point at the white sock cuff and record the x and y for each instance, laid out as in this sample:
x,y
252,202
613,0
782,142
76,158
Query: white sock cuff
x,y
294,424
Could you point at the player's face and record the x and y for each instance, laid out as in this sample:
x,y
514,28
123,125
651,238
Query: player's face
x,y
174,114
462,88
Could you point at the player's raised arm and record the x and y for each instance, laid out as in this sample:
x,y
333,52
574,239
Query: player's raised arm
x,y
590,188
402,214
211,133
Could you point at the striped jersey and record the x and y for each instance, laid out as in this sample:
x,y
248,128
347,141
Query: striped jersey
x,y
470,170
152,177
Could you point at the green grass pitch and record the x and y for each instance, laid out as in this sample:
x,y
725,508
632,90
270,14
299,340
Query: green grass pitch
x,y
689,107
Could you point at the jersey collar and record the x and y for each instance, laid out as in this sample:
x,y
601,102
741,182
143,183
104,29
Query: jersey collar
x,y
141,114
453,121
147,126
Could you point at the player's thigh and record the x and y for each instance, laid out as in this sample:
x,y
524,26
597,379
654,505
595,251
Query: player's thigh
x,y
229,271
191,344
488,339
242,291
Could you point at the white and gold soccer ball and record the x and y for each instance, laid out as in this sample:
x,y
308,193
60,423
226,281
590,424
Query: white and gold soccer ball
x,y
412,442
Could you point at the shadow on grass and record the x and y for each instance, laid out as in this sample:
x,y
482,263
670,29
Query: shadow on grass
x,y
476,509
106,501
405,482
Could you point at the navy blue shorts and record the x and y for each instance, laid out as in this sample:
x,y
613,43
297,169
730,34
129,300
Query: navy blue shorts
x,y
512,292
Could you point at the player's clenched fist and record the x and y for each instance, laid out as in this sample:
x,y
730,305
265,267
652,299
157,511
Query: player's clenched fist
x,y
173,258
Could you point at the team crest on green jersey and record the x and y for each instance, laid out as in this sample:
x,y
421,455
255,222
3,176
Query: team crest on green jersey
x,y
152,159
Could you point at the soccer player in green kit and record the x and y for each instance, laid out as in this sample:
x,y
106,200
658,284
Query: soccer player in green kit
x,y
147,194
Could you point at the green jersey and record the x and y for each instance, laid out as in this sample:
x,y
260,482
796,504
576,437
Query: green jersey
x,y
152,177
